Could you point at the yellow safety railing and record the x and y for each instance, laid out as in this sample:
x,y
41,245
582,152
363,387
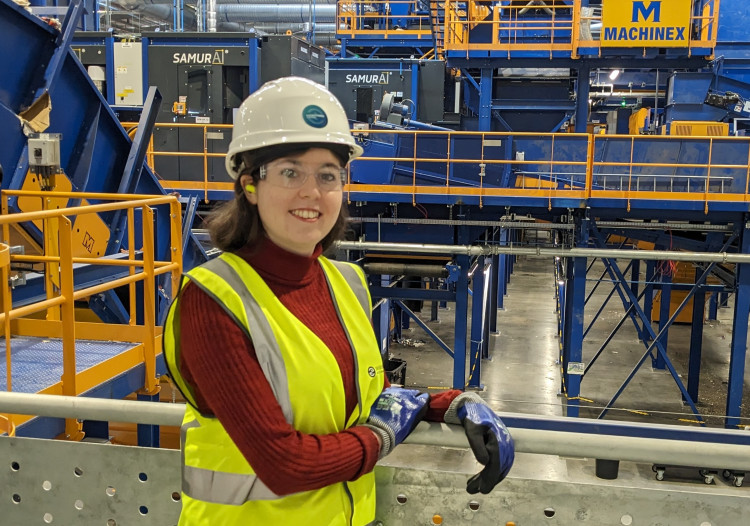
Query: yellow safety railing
x,y
582,35
504,28
167,179
546,164
705,26
541,175
383,19
565,165
57,310
669,178
562,28
6,426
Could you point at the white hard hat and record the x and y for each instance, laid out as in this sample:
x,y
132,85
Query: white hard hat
x,y
289,110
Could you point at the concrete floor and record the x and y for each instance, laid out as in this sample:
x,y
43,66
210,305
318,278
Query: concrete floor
x,y
523,373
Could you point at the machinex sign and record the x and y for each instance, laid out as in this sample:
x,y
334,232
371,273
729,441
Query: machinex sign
x,y
654,23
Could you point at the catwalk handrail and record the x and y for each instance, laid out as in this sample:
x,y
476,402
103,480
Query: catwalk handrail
x,y
460,22
376,18
569,28
574,170
490,250
575,437
60,251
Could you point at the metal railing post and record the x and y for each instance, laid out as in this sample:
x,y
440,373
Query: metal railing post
x,y
73,429
151,383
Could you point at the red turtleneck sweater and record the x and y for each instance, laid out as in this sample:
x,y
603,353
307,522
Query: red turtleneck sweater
x,y
220,363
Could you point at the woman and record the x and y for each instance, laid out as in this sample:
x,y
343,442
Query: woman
x,y
271,343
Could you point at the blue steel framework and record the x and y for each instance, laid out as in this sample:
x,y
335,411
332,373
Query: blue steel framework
x,y
575,269
480,39
573,273
477,68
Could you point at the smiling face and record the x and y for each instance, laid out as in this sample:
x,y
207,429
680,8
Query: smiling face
x,y
297,218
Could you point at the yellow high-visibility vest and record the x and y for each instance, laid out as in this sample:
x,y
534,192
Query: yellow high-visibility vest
x,y
219,485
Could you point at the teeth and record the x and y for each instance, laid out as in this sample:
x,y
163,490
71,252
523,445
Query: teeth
x,y
306,214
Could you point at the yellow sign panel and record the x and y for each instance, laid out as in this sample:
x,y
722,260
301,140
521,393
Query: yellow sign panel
x,y
646,23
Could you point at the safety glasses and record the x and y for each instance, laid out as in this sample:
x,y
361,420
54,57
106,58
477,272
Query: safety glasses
x,y
290,175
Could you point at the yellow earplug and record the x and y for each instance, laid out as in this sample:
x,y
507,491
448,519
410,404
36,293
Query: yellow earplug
x,y
250,188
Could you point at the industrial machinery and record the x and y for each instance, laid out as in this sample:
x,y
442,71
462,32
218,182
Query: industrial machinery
x,y
209,91
708,97
95,153
67,164
361,85
439,215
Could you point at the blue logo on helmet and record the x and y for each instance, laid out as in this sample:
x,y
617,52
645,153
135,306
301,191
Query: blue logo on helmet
x,y
315,116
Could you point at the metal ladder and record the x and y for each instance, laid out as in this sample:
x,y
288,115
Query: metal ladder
x,y
437,19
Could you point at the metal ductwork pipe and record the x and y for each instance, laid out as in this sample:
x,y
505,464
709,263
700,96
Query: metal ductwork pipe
x,y
324,39
275,13
715,447
199,8
324,34
227,11
211,16
162,9
278,28
488,250
397,269
296,28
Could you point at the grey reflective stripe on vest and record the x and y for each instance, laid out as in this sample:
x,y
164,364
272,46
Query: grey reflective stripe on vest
x,y
217,486
264,341
355,283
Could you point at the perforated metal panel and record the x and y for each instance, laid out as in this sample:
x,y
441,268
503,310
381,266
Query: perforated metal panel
x,y
71,483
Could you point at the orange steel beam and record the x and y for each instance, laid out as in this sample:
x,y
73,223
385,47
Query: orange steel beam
x,y
149,300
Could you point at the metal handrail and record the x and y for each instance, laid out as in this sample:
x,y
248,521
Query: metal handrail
x,y
574,437
702,32
554,176
58,260
491,250
374,18
460,22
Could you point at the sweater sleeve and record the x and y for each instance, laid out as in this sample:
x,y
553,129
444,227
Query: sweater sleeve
x,y
439,403
220,363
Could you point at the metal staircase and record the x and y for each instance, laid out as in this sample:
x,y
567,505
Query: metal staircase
x,y
437,19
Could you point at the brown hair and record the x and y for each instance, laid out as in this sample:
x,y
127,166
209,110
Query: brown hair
x,y
237,223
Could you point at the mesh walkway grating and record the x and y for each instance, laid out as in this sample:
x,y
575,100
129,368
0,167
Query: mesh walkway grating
x,y
37,363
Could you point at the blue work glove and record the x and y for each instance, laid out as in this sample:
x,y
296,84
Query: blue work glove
x,y
488,437
395,414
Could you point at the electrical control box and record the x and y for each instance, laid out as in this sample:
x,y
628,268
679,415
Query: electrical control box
x,y
128,74
44,149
